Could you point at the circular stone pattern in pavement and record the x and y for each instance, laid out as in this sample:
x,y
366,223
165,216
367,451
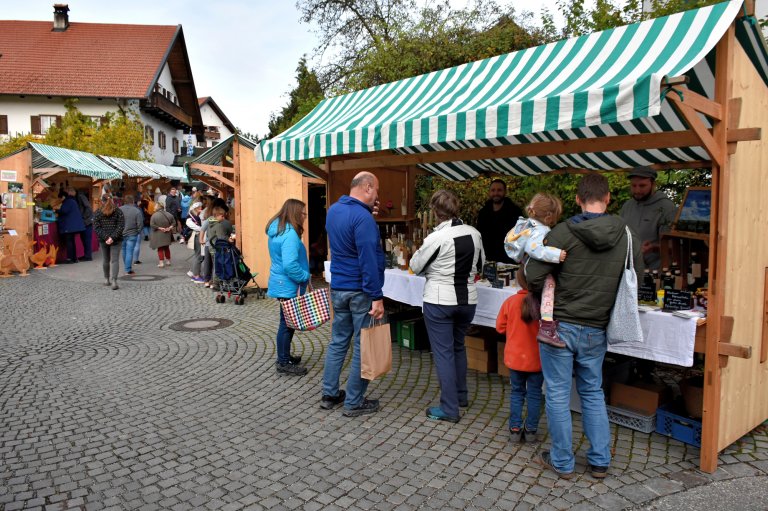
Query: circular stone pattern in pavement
x,y
201,325
143,278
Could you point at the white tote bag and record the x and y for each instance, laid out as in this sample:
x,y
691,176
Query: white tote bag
x,y
624,326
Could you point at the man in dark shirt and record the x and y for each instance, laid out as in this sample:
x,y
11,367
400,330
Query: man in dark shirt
x,y
495,220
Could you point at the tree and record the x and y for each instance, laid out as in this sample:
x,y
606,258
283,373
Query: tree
x,y
119,134
302,99
15,143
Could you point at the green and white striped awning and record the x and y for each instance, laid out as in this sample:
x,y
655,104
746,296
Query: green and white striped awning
x,y
131,168
77,162
602,84
168,171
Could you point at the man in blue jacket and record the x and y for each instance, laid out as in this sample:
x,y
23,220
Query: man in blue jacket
x,y
357,276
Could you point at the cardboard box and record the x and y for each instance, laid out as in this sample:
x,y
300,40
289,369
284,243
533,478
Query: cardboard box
x,y
481,361
503,370
477,343
643,398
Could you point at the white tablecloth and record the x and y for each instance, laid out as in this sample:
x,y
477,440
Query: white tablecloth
x,y
668,338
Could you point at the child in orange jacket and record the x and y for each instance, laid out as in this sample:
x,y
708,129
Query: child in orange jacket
x,y
519,320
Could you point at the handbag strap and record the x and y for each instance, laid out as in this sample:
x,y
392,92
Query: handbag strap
x,y
629,262
309,287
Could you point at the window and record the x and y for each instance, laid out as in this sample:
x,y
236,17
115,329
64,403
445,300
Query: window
x,y
175,143
41,123
3,124
149,135
97,120
161,139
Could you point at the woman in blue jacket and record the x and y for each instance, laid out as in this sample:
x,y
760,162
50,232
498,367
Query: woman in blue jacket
x,y
288,274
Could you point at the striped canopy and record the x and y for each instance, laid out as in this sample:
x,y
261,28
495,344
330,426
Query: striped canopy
x,y
168,171
603,84
130,168
77,162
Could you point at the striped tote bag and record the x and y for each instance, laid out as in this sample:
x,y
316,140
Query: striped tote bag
x,y
307,311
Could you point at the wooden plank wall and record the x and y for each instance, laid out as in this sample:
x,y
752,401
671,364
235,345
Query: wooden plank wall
x,y
19,219
264,187
745,381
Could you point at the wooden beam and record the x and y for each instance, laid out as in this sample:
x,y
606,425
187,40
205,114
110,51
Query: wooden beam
x,y
734,116
213,174
699,103
238,195
585,145
211,182
695,123
727,349
309,165
764,341
213,168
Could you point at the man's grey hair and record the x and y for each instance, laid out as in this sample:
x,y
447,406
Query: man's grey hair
x,y
363,178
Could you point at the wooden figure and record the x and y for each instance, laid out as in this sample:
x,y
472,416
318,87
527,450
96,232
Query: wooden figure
x,y
39,257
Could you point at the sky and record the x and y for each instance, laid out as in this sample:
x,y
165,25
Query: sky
x,y
243,53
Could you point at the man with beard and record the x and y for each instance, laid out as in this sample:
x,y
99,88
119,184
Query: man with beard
x,y
649,213
495,219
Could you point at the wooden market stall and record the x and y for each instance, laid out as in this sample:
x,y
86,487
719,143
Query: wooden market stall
x,y
259,190
685,91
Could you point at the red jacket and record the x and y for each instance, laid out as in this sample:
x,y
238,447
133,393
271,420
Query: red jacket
x,y
521,352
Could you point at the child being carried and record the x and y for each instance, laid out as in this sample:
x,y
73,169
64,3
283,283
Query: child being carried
x,y
527,238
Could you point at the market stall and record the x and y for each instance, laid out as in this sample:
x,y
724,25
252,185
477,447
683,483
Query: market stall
x,y
683,91
258,191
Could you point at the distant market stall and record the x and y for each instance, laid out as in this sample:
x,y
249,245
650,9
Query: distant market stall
x,y
259,190
681,92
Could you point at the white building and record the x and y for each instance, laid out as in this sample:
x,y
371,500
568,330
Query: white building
x,y
106,67
217,126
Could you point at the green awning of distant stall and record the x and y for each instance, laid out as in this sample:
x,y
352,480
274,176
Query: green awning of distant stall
x,y
77,162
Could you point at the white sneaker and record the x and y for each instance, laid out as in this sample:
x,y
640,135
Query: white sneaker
x,y
190,274
160,265
168,262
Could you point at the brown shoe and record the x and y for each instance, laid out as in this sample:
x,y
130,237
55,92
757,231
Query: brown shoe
x,y
548,334
544,459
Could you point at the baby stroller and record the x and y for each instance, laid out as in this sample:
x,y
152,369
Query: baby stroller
x,y
233,274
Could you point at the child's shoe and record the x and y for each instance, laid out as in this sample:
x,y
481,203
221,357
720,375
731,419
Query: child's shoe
x,y
531,436
516,435
548,334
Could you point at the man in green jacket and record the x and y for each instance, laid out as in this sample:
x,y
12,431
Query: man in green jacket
x,y
585,292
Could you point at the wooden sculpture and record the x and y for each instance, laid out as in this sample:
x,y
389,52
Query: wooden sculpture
x,y
50,259
39,257
16,258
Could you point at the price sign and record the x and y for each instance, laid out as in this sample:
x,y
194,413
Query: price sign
x,y
646,294
677,300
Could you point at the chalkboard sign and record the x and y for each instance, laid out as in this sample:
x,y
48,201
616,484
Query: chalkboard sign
x,y
497,284
489,271
646,294
677,300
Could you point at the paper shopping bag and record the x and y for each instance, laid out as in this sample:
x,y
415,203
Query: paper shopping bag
x,y
375,350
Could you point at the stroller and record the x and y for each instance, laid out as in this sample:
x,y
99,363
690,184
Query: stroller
x,y
233,274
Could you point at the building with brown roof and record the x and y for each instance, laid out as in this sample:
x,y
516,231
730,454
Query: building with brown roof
x,y
217,126
107,67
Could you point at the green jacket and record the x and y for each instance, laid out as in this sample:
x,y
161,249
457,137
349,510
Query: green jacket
x,y
587,281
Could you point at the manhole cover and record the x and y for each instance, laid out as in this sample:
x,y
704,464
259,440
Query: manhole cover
x,y
201,324
143,278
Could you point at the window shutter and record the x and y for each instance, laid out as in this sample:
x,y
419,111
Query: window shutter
x,y
58,121
3,124
35,121
104,120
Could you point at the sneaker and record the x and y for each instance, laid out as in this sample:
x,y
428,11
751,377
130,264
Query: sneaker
x,y
160,265
516,435
207,284
295,359
115,286
545,459
146,238
291,369
463,403
197,280
330,402
168,262
137,262
107,283
598,472
531,436
364,408
190,274
548,334
437,413
130,272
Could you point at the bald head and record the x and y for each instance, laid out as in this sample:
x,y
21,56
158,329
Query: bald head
x,y
365,188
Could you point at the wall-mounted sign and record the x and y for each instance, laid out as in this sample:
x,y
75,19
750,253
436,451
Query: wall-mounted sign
x,y
7,175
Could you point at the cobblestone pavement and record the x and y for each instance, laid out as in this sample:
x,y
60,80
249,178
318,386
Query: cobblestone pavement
x,y
105,406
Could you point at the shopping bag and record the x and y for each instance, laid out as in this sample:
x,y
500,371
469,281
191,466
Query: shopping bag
x,y
375,350
307,311
624,325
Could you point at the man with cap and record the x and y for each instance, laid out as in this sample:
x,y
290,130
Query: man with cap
x,y
649,213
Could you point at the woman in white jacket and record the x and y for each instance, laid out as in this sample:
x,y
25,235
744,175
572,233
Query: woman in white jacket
x,y
449,259
194,222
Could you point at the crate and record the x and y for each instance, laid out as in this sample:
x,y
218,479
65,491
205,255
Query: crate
x,y
678,427
631,420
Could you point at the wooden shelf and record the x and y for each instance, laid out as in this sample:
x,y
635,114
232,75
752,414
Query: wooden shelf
x,y
690,235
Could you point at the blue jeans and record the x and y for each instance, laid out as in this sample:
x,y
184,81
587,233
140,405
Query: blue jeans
x,y
525,386
583,357
447,326
129,244
137,248
283,341
350,315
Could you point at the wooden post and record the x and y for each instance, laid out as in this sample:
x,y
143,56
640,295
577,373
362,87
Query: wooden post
x,y
717,254
236,180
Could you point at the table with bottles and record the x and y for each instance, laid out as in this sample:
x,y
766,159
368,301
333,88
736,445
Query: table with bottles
x,y
667,338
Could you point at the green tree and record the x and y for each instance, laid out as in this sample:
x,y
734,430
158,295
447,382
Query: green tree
x,y
15,143
302,99
120,135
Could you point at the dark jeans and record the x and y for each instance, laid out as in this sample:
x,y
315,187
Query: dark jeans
x,y
110,261
69,242
284,338
447,325
86,237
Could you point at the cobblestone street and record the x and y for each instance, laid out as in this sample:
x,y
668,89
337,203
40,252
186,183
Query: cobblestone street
x,y
106,406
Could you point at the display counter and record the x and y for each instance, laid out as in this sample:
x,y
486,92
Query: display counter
x,y
667,338
48,233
